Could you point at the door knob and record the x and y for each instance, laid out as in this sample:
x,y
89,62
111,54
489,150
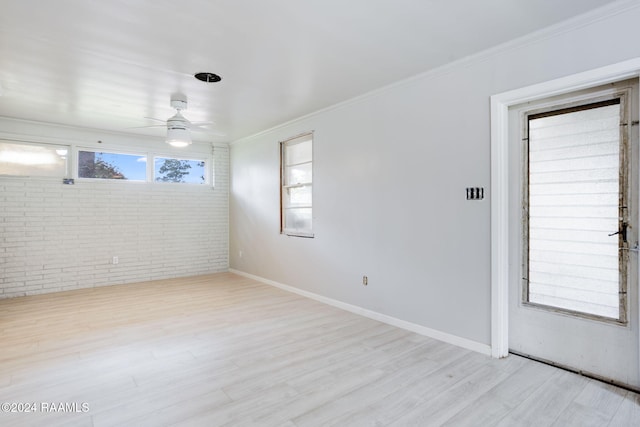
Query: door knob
x,y
622,231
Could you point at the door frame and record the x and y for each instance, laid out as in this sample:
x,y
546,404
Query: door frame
x,y
500,249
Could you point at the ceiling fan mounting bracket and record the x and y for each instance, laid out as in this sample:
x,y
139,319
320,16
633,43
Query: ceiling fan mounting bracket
x,y
179,102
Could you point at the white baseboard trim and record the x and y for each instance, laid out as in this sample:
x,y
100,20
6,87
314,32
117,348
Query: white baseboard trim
x,y
403,324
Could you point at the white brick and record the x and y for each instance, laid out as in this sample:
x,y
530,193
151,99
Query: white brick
x,y
58,237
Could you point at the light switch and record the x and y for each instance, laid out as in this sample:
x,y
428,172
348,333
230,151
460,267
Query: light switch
x,y
475,193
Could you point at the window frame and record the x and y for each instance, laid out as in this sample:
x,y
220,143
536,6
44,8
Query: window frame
x,y
74,146
150,155
284,186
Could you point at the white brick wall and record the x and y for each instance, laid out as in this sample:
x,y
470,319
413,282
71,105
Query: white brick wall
x,y
56,237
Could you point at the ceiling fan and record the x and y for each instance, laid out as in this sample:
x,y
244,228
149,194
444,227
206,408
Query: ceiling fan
x,y
179,127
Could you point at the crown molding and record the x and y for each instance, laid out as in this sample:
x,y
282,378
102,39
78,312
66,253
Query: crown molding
x,y
572,24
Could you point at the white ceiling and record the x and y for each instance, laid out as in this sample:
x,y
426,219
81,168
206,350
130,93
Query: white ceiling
x,y
108,64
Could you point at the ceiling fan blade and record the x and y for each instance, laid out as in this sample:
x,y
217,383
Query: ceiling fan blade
x,y
149,126
209,131
203,128
164,124
205,123
157,120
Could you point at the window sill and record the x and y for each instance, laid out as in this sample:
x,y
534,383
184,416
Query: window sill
x,y
293,233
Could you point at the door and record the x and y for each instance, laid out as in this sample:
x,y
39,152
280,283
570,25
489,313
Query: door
x,y
573,299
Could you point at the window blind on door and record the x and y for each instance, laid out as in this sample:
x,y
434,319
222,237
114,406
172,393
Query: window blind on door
x,y
573,206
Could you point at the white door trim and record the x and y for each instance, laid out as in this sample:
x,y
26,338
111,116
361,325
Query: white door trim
x,y
500,104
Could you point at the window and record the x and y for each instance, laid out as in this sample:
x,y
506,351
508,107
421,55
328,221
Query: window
x,y
103,165
22,159
142,167
297,180
167,169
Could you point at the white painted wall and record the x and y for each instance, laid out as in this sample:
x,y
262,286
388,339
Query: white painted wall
x,y
390,171
56,237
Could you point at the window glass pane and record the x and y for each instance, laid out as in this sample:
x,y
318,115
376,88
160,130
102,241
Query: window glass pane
x,y
178,170
298,152
33,160
298,219
299,196
300,174
573,259
102,165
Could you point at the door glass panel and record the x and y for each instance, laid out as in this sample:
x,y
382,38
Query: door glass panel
x,y
573,206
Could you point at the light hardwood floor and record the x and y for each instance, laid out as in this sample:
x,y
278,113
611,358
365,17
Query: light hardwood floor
x,y
223,350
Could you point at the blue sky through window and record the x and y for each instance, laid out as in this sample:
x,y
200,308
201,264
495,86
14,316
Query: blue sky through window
x,y
133,167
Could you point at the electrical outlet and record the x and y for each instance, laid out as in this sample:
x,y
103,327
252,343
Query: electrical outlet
x,y
115,260
239,254
365,280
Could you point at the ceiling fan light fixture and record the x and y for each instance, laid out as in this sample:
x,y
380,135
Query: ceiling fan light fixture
x,y
178,137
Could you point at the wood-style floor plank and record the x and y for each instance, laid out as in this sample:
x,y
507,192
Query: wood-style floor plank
x,y
544,406
628,413
223,350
